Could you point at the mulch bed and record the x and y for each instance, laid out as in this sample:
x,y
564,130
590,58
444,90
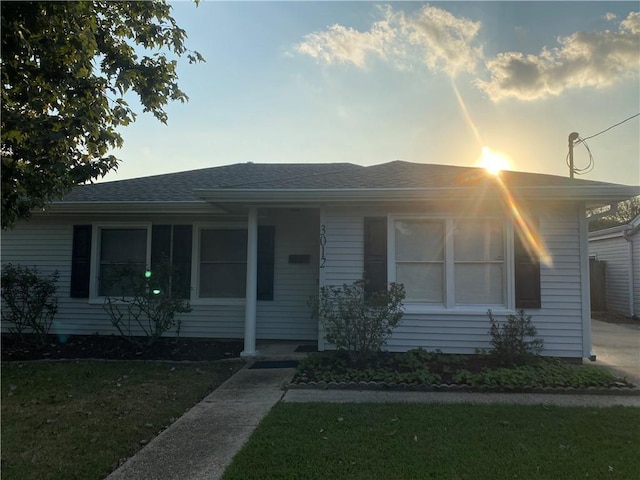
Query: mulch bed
x,y
112,347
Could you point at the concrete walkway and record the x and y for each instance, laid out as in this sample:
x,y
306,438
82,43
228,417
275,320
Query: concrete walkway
x,y
617,347
201,443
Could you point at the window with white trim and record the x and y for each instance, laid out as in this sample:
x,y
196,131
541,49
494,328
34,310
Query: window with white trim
x,y
449,262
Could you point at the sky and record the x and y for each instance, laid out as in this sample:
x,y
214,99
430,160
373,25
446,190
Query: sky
x,y
369,83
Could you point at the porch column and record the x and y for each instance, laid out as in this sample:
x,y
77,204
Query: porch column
x,y
252,285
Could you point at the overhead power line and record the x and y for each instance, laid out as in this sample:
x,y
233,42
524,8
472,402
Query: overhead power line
x,y
606,129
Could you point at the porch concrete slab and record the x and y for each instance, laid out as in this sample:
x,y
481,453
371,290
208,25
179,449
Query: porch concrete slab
x,y
373,396
201,444
617,347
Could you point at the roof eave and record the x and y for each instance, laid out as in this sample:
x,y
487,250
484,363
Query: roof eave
x,y
598,194
129,207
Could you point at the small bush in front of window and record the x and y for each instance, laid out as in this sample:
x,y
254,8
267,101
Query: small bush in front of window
x,y
514,341
356,321
149,307
30,301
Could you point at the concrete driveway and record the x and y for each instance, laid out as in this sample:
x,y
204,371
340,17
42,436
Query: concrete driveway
x,y
617,347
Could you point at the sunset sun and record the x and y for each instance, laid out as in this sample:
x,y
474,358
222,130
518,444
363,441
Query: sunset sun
x,y
493,162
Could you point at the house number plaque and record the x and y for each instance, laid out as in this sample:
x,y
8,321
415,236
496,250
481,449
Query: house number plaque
x,y
323,242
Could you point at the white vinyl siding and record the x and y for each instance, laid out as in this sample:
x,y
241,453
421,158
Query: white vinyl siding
x,y
615,251
559,321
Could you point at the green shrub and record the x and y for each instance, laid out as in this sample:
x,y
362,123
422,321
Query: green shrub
x,y
514,342
543,374
30,301
358,322
147,307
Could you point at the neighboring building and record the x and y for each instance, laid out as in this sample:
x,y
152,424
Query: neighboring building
x,y
460,240
619,248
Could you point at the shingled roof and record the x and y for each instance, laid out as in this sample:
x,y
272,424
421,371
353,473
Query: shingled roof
x,y
180,187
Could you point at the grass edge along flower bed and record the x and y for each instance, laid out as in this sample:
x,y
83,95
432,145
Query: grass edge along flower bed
x,y
418,370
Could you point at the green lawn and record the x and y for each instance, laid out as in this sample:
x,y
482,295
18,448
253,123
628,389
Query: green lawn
x,y
75,420
400,441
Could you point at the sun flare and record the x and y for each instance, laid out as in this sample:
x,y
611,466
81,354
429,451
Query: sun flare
x,y
493,162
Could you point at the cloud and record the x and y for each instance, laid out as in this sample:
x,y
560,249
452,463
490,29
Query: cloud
x,y
445,41
584,59
631,23
609,16
431,36
339,44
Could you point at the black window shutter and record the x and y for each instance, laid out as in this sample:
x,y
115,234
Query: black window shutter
x,y
266,257
375,254
81,261
182,237
527,276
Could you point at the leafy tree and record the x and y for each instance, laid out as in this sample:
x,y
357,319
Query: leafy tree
x,y
626,211
66,67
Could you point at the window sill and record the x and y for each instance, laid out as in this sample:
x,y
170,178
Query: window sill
x,y
217,301
194,302
417,308
115,301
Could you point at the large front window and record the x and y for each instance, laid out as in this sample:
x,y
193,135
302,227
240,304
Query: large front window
x,y
450,262
223,263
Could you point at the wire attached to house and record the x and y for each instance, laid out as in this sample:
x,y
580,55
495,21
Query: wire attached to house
x,y
590,166
575,139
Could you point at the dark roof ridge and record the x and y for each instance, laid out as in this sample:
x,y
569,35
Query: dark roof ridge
x,y
298,177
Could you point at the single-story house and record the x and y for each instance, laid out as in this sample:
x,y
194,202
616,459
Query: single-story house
x,y
255,241
619,248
